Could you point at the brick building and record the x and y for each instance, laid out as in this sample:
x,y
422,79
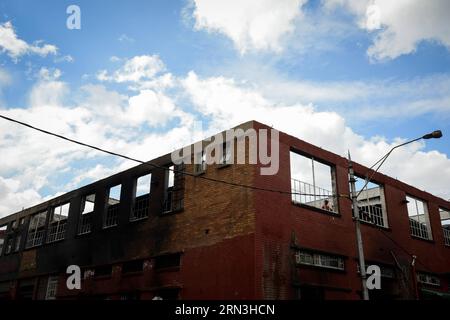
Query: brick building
x,y
149,232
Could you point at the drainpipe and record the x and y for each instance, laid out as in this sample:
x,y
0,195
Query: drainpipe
x,y
414,277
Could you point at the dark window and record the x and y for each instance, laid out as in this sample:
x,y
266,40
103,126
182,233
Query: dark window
x,y
112,206
9,245
17,243
311,293
132,266
142,196
168,293
167,261
103,271
87,209
174,188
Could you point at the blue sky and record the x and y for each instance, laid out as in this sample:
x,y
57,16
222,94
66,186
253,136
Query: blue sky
x,y
351,86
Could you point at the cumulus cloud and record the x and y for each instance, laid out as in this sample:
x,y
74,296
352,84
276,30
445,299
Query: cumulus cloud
x,y
123,123
227,101
251,24
15,47
135,69
403,24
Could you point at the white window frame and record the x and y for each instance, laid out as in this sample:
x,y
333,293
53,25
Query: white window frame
x,y
52,288
58,223
415,204
319,260
35,237
225,158
444,215
111,215
84,226
428,279
200,167
309,193
141,200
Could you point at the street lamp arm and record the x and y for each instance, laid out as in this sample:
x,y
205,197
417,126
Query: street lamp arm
x,y
383,159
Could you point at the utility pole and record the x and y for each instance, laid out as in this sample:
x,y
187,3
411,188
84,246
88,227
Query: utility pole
x,y
359,242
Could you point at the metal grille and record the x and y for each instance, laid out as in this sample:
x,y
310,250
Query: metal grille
x,y
446,236
308,194
57,231
372,214
35,238
320,260
140,208
418,229
111,215
174,197
85,223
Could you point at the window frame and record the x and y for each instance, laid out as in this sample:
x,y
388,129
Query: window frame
x,y
111,212
141,202
319,259
416,234
37,234
57,228
332,197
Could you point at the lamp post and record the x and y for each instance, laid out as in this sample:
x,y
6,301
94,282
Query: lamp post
x,y
354,197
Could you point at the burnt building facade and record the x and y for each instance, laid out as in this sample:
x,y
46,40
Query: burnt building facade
x,y
179,232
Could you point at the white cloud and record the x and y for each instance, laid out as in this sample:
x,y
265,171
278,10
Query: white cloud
x,y
251,24
404,24
67,58
15,47
135,69
124,38
5,78
120,122
229,103
114,59
153,107
32,160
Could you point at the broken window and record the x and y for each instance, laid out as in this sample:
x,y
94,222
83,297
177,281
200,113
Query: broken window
x,y
52,287
171,260
142,197
174,190
112,206
2,236
319,260
371,204
36,229
418,218
226,153
133,266
87,210
200,162
313,183
17,243
58,222
428,279
103,271
445,222
9,245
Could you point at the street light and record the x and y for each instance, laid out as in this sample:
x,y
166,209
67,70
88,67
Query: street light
x,y
354,196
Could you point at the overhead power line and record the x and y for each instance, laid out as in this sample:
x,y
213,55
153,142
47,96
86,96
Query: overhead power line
x,y
153,165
